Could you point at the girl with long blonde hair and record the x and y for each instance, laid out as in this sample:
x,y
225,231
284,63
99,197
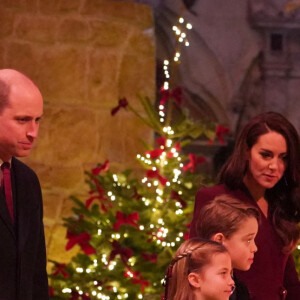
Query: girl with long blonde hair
x,y
200,270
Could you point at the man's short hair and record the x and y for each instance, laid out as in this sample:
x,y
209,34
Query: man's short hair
x,y
4,95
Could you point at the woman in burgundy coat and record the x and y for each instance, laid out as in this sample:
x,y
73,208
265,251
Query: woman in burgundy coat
x,y
264,170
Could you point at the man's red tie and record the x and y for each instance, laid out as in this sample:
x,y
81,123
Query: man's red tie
x,y
5,167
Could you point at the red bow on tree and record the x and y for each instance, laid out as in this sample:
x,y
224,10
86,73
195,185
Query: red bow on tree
x,y
193,162
170,154
60,268
155,234
125,253
76,295
126,219
153,174
186,235
161,141
136,279
130,273
142,282
100,196
136,195
175,94
151,257
51,291
122,103
176,196
155,153
82,240
101,167
219,133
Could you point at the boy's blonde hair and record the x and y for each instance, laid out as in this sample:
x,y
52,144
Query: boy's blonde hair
x,y
224,214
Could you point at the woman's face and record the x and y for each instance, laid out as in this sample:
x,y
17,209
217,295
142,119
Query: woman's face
x,y
267,161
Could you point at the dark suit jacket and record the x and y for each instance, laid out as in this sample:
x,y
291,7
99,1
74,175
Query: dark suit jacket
x,y
272,271
22,248
241,291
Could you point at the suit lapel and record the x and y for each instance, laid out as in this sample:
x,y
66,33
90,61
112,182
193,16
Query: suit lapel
x,y
4,214
22,201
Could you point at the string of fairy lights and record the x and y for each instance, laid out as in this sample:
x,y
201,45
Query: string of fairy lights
x,y
161,232
181,38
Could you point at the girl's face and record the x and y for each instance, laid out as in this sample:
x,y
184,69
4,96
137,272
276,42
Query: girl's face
x,y
215,281
241,245
267,162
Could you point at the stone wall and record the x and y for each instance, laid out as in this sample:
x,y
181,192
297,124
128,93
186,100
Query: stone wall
x,y
84,55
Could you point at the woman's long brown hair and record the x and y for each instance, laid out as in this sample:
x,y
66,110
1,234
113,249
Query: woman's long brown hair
x,y
284,197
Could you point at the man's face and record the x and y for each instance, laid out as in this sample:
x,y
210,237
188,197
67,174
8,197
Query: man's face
x,y
19,122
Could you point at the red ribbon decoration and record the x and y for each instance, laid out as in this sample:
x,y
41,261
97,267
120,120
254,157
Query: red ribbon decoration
x,y
101,167
186,236
132,274
126,219
89,202
175,94
122,103
155,153
60,268
125,253
142,282
154,234
100,196
51,291
76,295
136,195
161,141
82,240
137,279
151,257
153,174
176,196
219,133
193,162
177,147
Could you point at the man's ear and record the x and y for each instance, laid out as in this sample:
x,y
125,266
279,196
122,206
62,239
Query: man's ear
x,y
195,280
218,237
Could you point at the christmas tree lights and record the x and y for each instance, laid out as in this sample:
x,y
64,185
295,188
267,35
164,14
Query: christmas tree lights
x,y
128,228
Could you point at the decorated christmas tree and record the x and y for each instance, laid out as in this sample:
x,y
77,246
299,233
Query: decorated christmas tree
x,y
131,223
128,227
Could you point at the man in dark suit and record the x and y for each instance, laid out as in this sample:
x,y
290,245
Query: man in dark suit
x,y
22,244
